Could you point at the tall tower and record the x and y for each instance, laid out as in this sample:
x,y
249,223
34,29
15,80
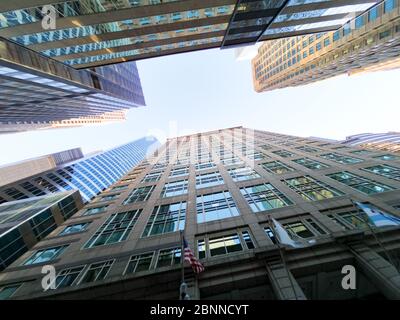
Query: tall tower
x,y
222,189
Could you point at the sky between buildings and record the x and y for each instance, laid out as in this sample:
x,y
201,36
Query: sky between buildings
x,y
207,90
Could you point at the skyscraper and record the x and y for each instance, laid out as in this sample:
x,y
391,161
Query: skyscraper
x,y
37,92
90,175
98,32
25,222
368,43
389,141
222,189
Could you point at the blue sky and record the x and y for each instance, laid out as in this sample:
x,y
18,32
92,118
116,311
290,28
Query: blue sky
x,y
207,90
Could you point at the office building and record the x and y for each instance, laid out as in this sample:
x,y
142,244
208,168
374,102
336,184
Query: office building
x,y
17,171
37,92
222,188
389,141
368,43
23,223
99,32
90,175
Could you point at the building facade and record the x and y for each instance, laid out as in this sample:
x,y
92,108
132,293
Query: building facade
x,y
221,189
37,92
90,175
98,32
23,223
389,141
368,43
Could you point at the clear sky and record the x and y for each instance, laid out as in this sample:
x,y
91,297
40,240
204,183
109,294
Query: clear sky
x,y
207,90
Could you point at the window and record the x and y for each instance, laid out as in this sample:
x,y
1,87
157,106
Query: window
x,y
109,197
373,13
385,171
179,172
225,245
247,240
350,219
299,229
361,152
215,206
311,164
264,197
68,277
243,174
270,234
359,183
389,5
141,262
42,224
388,157
97,271
276,167
8,291
176,188
327,42
231,161
139,194
152,176
95,210
308,149
116,229
359,22
205,166
341,158
284,153
74,228
120,187
166,218
169,257
45,255
209,180
256,156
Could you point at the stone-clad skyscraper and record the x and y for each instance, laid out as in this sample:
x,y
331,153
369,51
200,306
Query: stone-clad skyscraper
x,y
222,188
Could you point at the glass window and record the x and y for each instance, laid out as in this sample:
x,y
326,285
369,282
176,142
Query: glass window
x,y
311,164
385,171
201,248
270,234
311,189
165,219
95,210
139,194
224,245
373,13
284,153
179,172
389,5
215,206
205,166
169,257
276,167
247,240
97,271
68,277
176,188
298,229
351,219
388,157
8,291
45,255
74,228
141,262
152,176
232,161
361,152
341,158
243,174
359,22
359,183
209,180
264,197
116,229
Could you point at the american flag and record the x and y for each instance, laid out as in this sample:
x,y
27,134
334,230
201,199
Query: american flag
x,y
189,257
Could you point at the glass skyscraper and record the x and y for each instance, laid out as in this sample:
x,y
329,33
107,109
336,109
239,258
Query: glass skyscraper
x,y
90,175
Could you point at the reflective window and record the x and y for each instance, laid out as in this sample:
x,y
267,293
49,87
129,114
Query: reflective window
x,y
179,172
215,206
176,188
243,174
141,262
388,157
311,189
166,218
8,291
152,176
209,180
45,255
276,167
359,183
311,164
341,158
115,229
205,166
95,210
169,257
74,228
139,194
264,197
284,153
385,171
225,245
97,271
68,277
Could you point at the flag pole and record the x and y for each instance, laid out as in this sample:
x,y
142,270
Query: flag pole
x,y
182,258
374,233
283,257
